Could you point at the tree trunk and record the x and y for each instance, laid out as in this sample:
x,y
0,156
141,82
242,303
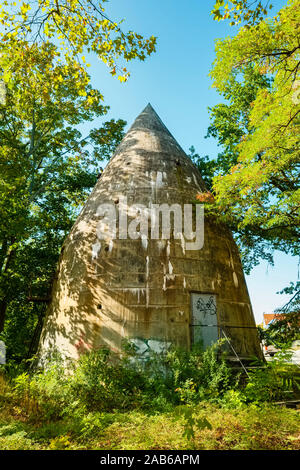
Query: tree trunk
x,y
4,301
36,336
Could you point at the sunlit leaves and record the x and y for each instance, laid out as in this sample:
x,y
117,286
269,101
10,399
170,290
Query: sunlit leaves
x,y
76,26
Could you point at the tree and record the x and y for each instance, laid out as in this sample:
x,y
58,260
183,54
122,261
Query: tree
x,y
229,122
47,169
259,192
77,27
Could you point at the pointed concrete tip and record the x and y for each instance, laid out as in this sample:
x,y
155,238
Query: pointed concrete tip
x,y
148,119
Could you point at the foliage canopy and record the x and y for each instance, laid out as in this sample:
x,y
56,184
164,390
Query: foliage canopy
x,y
259,193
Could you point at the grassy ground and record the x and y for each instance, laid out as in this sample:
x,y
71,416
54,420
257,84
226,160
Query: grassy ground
x,y
270,428
106,406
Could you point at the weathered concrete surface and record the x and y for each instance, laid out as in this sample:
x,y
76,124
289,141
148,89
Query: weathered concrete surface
x,y
109,290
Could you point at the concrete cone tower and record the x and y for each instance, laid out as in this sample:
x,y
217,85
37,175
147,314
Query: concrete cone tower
x,y
152,292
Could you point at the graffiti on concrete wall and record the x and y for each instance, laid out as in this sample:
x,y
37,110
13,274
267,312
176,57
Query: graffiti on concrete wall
x,y
144,347
2,353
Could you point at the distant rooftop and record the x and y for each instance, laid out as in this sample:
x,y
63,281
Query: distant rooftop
x,y
271,317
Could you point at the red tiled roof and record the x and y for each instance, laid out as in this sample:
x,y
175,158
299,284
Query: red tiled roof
x,y
268,317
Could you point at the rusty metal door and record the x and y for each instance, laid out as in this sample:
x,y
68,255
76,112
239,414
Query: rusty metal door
x,y
204,319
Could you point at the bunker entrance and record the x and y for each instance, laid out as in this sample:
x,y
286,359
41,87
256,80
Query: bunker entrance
x,y
204,324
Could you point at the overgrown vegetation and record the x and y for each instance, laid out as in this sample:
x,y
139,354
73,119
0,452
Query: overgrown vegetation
x,y
177,400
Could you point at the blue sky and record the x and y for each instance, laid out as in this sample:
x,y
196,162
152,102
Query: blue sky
x,y
175,81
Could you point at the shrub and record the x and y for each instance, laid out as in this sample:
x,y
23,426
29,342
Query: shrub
x,y
100,383
44,393
180,376
273,381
